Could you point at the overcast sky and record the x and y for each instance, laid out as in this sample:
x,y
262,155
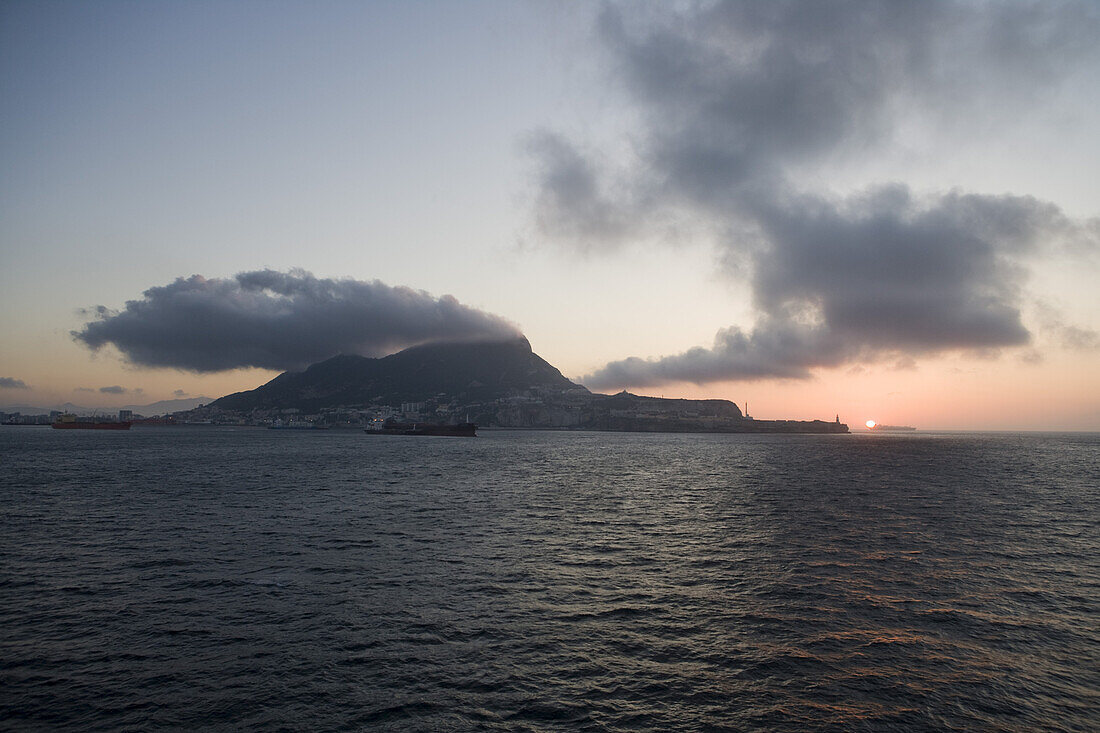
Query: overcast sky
x,y
883,210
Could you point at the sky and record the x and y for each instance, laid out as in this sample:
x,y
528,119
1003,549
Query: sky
x,y
885,211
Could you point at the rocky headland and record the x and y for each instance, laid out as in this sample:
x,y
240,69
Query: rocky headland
x,y
495,384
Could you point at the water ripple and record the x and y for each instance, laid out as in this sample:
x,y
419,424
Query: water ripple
x,y
243,579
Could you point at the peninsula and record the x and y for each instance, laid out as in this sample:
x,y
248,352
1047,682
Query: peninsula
x,y
493,384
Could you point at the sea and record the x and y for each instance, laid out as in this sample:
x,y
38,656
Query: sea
x,y
209,578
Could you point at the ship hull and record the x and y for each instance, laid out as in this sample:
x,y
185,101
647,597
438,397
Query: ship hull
x,y
82,425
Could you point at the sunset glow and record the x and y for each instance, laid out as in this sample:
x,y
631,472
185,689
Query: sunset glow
x,y
870,424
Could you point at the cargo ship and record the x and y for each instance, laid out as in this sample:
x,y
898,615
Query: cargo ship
x,y
72,422
461,430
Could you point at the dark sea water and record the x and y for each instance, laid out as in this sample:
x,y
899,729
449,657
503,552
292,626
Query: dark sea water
x,y
211,578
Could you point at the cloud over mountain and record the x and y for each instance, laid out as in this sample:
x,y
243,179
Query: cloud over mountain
x,y
737,101
280,320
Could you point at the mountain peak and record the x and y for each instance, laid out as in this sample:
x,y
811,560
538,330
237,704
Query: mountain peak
x,y
467,370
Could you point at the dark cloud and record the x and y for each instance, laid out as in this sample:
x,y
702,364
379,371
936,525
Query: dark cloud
x,y
114,389
735,93
736,99
278,320
782,349
180,393
893,272
575,203
12,383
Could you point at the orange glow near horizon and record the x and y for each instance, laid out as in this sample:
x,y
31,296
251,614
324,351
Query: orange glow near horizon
x,y
946,393
870,424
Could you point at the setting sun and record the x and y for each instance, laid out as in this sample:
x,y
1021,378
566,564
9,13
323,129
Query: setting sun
x,y
870,424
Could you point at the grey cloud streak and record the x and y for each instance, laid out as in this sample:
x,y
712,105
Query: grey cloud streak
x,y
775,349
12,383
279,320
738,98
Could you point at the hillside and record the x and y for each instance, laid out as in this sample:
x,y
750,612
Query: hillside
x,y
465,372
495,384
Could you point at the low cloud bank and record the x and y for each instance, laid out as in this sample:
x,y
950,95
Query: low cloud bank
x,y
12,383
280,320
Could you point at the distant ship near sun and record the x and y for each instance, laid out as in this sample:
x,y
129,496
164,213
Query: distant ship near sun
x,y
881,428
